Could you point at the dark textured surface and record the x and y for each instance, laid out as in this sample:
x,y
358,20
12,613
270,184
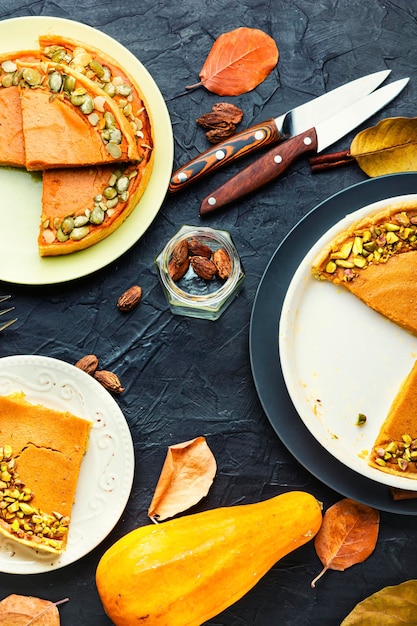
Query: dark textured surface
x,y
187,377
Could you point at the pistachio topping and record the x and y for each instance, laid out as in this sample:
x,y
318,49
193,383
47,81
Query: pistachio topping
x,y
24,520
375,244
116,87
76,227
63,85
401,454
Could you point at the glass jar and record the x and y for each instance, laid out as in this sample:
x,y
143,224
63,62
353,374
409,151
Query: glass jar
x,y
192,295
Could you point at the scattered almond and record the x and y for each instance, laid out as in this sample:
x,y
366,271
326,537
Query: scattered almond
x,y
203,267
109,380
130,299
88,364
222,262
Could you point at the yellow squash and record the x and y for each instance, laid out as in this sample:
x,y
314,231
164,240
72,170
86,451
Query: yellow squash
x,y
187,570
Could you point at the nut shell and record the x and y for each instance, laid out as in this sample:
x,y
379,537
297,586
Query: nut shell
x,y
129,299
203,267
180,252
109,380
88,364
222,262
197,248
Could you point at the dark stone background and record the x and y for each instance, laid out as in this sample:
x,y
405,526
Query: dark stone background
x,y
187,377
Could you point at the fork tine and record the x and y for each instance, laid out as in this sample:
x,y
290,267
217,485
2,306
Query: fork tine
x,y
7,324
3,312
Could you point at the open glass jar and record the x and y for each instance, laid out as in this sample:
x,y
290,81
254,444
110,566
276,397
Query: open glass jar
x,y
192,295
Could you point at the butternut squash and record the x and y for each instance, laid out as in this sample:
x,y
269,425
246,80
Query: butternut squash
x,y
187,570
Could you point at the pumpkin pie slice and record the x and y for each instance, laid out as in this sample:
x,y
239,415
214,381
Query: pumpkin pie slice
x,y
113,79
12,147
41,454
64,125
395,448
376,260
80,208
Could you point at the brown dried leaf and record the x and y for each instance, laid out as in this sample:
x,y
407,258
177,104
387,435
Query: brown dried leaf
x,y
16,610
348,535
186,477
387,148
238,62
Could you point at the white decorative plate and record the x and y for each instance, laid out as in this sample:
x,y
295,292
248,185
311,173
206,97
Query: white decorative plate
x,y
339,358
21,191
107,469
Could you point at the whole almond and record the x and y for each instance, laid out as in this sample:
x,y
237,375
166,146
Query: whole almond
x,y
222,262
130,299
180,252
197,248
88,364
109,380
177,271
203,267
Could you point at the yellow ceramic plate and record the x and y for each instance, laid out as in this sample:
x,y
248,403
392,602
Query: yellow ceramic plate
x,y
20,191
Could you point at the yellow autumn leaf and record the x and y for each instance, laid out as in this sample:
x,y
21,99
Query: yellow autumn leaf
x,y
387,148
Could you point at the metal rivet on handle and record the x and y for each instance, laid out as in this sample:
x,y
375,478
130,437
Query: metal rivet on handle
x,y
260,134
182,177
278,158
220,154
308,141
211,201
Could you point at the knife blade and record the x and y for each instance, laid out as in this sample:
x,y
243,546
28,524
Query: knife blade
x,y
278,159
272,131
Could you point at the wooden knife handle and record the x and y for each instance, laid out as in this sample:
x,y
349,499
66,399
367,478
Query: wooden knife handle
x,y
262,171
242,143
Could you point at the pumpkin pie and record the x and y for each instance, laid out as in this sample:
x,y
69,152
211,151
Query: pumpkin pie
x,y
376,260
41,453
395,448
82,120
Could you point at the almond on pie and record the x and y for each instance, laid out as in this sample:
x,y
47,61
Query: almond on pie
x,y
41,451
82,120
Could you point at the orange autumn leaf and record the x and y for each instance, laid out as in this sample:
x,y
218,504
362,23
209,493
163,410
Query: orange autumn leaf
x,y
347,536
186,477
238,62
16,610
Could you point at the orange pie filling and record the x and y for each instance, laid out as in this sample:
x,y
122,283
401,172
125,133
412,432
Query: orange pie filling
x,y
41,453
395,448
376,260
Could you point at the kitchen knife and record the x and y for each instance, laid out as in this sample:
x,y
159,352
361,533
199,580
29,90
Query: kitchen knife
x,y
274,162
292,123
